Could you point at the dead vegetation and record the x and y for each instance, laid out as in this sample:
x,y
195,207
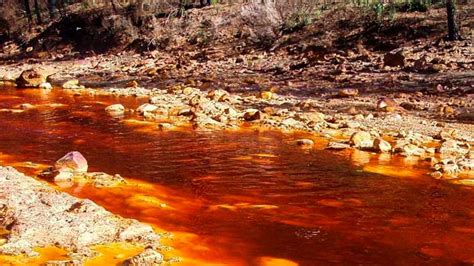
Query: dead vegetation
x,y
245,25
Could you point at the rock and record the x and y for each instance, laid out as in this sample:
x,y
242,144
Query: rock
x,y
149,257
292,123
252,115
71,84
31,78
197,100
26,106
304,142
64,263
190,90
436,174
157,99
100,179
387,104
337,146
351,124
408,106
231,113
466,164
115,109
146,108
381,145
218,95
72,162
164,126
316,116
361,139
185,111
410,150
449,133
206,122
394,58
452,147
348,92
266,95
38,215
45,86
446,109
64,176
8,77
132,84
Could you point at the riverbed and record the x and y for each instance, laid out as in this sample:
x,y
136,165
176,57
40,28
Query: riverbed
x,y
246,196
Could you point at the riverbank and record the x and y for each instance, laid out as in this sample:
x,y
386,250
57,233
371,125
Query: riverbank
x,y
35,215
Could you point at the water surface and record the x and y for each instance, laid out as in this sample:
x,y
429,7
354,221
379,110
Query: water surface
x,y
246,197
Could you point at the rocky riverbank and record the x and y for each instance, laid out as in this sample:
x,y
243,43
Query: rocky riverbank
x,y
36,215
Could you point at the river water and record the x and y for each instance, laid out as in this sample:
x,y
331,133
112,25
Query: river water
x,y
245,197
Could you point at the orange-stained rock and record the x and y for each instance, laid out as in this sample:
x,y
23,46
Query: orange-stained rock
x,y
30,78
72,162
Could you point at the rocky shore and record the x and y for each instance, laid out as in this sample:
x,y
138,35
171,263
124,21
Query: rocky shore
x,y
36,215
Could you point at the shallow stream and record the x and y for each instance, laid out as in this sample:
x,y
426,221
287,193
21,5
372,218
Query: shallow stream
x,y
244,197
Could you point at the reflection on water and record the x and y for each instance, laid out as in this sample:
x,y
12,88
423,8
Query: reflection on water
x,y
245,197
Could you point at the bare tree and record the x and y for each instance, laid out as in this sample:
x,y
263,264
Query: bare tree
x,y
38,13
26,3
453,28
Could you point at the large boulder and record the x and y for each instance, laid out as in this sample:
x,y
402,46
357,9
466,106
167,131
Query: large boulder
x,y
73,162
30,78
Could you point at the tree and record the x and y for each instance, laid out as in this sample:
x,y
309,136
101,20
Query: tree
x,y
26,3
453,28
38,13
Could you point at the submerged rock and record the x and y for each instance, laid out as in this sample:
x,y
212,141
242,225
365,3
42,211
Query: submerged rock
x,y
31,78
165,126
337,146
149,257
64,263
115,109
304,142
100,179
72,162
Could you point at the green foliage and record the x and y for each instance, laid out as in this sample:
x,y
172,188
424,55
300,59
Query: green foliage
x,y
414,5
85,4
297,21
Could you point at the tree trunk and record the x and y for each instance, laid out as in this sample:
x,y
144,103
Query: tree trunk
x,y
38,13
453,29
28,11
52,8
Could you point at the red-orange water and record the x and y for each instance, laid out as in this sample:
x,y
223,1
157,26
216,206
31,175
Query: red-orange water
x,y
246,197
